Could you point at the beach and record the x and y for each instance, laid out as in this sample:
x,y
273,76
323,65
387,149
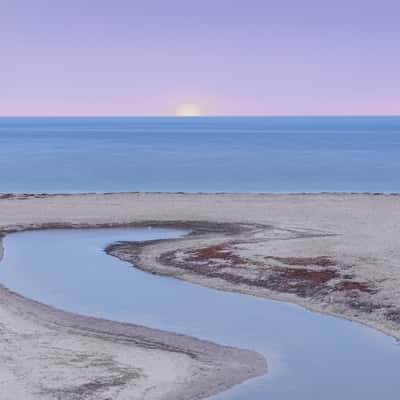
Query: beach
x,y
199,200
331,253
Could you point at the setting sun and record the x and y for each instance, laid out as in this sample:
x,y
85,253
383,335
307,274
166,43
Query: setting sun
x,y
188,110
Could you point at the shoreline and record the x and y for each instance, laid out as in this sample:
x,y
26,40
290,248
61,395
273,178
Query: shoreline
x,y
206,368
30,195
154,257
338,251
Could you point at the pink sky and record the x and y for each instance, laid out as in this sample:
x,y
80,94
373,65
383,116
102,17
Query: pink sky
x,y
229,57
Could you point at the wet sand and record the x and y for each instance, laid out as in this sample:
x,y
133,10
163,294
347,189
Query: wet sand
x,y
332,253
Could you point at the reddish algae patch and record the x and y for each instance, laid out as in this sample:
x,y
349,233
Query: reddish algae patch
x,y
217,252
353,285
306,274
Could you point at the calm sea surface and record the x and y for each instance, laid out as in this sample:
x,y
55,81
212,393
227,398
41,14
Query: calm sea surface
x,y
246,154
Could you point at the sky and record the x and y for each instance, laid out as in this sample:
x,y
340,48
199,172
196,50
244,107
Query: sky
x,y
226,57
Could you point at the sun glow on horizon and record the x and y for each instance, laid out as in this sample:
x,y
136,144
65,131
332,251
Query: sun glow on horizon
x,y
188,110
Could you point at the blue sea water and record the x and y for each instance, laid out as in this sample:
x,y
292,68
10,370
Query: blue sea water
x,y
206,154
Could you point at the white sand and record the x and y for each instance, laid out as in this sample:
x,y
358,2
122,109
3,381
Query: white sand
x,y
358,232
49,354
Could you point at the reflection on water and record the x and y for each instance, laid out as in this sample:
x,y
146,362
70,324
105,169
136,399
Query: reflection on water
x,y
310,356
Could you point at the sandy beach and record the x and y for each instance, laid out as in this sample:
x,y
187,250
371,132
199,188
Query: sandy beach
x,y
331,253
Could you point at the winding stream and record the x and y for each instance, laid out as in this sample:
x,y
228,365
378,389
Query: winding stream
x,y
310,356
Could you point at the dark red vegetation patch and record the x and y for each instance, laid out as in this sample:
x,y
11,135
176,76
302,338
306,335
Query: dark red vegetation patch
x,y
307,274
353,285
322,261
217,252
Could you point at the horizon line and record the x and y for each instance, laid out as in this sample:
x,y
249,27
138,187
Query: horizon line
x,y
207,116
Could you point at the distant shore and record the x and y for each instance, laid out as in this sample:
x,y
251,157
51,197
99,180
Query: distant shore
x,y
330,252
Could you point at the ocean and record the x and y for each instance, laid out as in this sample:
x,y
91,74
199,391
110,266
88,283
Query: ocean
x,y
201,154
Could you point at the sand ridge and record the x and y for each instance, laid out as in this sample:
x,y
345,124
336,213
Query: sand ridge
x,y
47,353
333,253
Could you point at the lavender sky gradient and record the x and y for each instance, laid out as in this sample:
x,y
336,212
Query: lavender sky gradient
x,y
248,57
